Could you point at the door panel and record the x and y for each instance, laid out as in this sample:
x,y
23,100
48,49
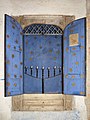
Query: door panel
x,y
73,62
32,57
74,58
54,83
13,57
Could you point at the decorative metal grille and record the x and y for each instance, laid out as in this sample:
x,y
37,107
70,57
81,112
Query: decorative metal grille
x,y
29,71
42,29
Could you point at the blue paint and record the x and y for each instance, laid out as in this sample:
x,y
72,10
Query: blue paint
x,y
74,74
44,50
14,70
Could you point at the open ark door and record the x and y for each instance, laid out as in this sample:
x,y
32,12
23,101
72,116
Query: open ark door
x,y
13,57
74,58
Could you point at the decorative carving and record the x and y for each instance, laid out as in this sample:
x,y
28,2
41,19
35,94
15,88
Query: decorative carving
x,y
12,55
73,76
67,49
8,46
70,69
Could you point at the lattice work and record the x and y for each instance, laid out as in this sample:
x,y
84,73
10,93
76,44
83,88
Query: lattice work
x,y
42,29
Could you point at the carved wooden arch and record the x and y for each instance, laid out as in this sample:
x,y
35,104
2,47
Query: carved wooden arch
x,y
43,102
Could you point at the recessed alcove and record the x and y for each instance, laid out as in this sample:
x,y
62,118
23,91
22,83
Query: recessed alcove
x,y
43,102
43,59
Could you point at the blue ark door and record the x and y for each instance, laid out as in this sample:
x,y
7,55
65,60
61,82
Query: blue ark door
x,y
42,59
74,58
13,57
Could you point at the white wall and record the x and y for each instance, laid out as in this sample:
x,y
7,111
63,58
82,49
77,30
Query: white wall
x,y
20,7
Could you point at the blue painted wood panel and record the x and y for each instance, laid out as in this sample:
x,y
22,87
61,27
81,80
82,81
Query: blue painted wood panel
x,y
13,57
42,50
74,58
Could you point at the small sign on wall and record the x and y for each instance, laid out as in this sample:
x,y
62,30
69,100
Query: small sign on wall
x,y
73,40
